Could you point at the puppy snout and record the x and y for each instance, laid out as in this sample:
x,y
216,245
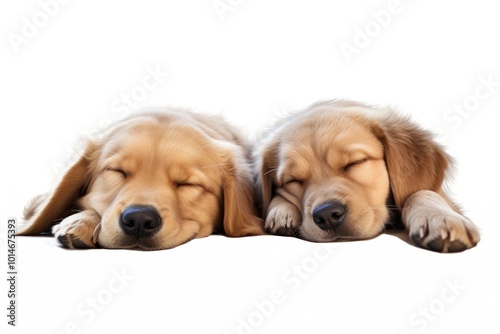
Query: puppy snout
x,y
140,221
330,215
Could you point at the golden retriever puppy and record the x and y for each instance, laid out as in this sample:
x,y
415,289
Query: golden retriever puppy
x,y
339,169
153,181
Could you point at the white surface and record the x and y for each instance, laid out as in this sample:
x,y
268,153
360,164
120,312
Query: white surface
x,y
263,59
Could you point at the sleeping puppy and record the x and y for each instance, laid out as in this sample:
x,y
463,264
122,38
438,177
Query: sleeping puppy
x,y
153,181
336,171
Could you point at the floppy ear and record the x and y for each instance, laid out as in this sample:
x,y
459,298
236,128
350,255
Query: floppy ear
x,y
267,164
43,210
239,207
414,160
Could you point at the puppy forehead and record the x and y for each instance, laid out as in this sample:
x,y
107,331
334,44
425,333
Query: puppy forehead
x,y
328,137
168,144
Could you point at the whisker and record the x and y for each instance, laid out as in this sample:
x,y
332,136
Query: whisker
x,y
271,170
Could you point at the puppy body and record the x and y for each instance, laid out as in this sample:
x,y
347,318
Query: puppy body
x,y
332,172
152,181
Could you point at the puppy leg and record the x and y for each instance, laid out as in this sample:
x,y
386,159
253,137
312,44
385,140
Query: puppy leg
x,y
79,230
283,217
434,225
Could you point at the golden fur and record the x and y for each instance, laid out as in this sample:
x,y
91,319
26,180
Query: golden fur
x,y
358,162
191,169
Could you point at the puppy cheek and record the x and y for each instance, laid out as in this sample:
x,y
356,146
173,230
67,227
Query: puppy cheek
x,y
372,224
110,231
382,214
204,211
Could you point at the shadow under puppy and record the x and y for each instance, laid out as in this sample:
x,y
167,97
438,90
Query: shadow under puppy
x,y
152,181
333,171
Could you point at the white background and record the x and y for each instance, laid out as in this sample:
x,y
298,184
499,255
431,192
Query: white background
x,y
251,60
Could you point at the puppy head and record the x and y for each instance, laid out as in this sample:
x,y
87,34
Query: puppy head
x,y
338,162
157,181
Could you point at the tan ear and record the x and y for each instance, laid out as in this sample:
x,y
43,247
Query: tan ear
x,y
414,160
267,167
240,218
43,210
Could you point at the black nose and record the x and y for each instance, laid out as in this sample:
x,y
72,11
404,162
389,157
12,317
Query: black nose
x,y
140,221
329,215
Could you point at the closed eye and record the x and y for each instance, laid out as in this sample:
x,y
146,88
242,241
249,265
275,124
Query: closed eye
x,y
292,181
354,163
117,170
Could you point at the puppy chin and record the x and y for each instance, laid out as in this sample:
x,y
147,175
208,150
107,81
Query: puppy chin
x,y
122,241
310,232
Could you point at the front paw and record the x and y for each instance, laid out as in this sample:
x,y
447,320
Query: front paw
x,y
435,226
78,231
283,218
